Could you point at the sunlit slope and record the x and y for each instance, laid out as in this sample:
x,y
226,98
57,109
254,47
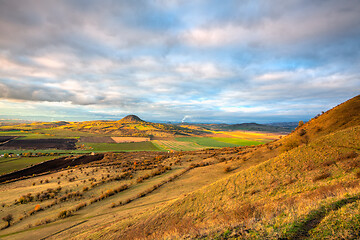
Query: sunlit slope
x,y
340,117
269,200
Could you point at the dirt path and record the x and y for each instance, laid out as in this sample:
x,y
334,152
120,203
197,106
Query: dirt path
x,y
302,229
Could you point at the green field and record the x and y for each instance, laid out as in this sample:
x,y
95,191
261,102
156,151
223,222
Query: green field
x,y
108,147
206,142
11,164
238,141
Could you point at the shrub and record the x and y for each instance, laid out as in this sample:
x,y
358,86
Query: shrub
x,y
321,176
357,173
348,155
302,132
37,208
227,169
25,199
64,214
80,206
8,218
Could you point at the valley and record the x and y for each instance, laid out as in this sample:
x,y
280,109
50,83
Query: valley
x,y
184,183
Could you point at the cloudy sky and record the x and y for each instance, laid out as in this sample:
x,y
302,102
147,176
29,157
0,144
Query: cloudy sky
x,y
170,60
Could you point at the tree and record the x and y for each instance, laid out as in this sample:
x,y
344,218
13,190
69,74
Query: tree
x,y
301,123
8,218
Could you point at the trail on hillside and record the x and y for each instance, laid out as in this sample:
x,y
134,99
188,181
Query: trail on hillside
x,y
302,229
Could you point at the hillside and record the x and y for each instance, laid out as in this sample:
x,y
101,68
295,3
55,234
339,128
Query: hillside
x,y
269,200
278,190
299,193
340,117
130,125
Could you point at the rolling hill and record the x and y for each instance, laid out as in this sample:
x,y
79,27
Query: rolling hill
x,y
310,190
130,125
302,186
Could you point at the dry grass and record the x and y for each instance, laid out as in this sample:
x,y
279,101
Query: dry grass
x,y
259,196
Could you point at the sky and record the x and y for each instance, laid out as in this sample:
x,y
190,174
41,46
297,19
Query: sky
x,y
170,60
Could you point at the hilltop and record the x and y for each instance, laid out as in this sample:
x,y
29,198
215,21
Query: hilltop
x,y
131,119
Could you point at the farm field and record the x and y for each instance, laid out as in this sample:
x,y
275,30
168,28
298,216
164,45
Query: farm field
x,y
173,145
91,137
206,142
238,141
11,164
58,143
115,147
130,139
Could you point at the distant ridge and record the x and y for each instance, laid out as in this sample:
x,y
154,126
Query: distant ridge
x,y
131,119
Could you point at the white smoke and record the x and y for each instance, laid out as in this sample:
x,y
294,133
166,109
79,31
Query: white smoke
x,y
183,120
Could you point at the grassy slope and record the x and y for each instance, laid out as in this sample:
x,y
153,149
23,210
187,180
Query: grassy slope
x,y
284,196
340,117
270,199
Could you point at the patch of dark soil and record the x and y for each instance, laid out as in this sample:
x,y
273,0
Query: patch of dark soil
x,y
63,144
51,165
5,138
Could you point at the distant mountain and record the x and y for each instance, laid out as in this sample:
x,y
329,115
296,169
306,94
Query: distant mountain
x,y
246,127
256,127
131,119
287,125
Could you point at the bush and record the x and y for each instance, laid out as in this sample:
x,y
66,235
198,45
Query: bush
x,y
64,214
321,176
37,208
227,169
8,218
80,206
302,132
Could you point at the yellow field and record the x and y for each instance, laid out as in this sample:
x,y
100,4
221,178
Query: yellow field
x,y
254,136
130,139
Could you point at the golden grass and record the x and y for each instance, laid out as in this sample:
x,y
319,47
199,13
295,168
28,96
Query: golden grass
x,y
276,193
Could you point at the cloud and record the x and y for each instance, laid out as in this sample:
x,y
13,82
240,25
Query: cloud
x,y
233,61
